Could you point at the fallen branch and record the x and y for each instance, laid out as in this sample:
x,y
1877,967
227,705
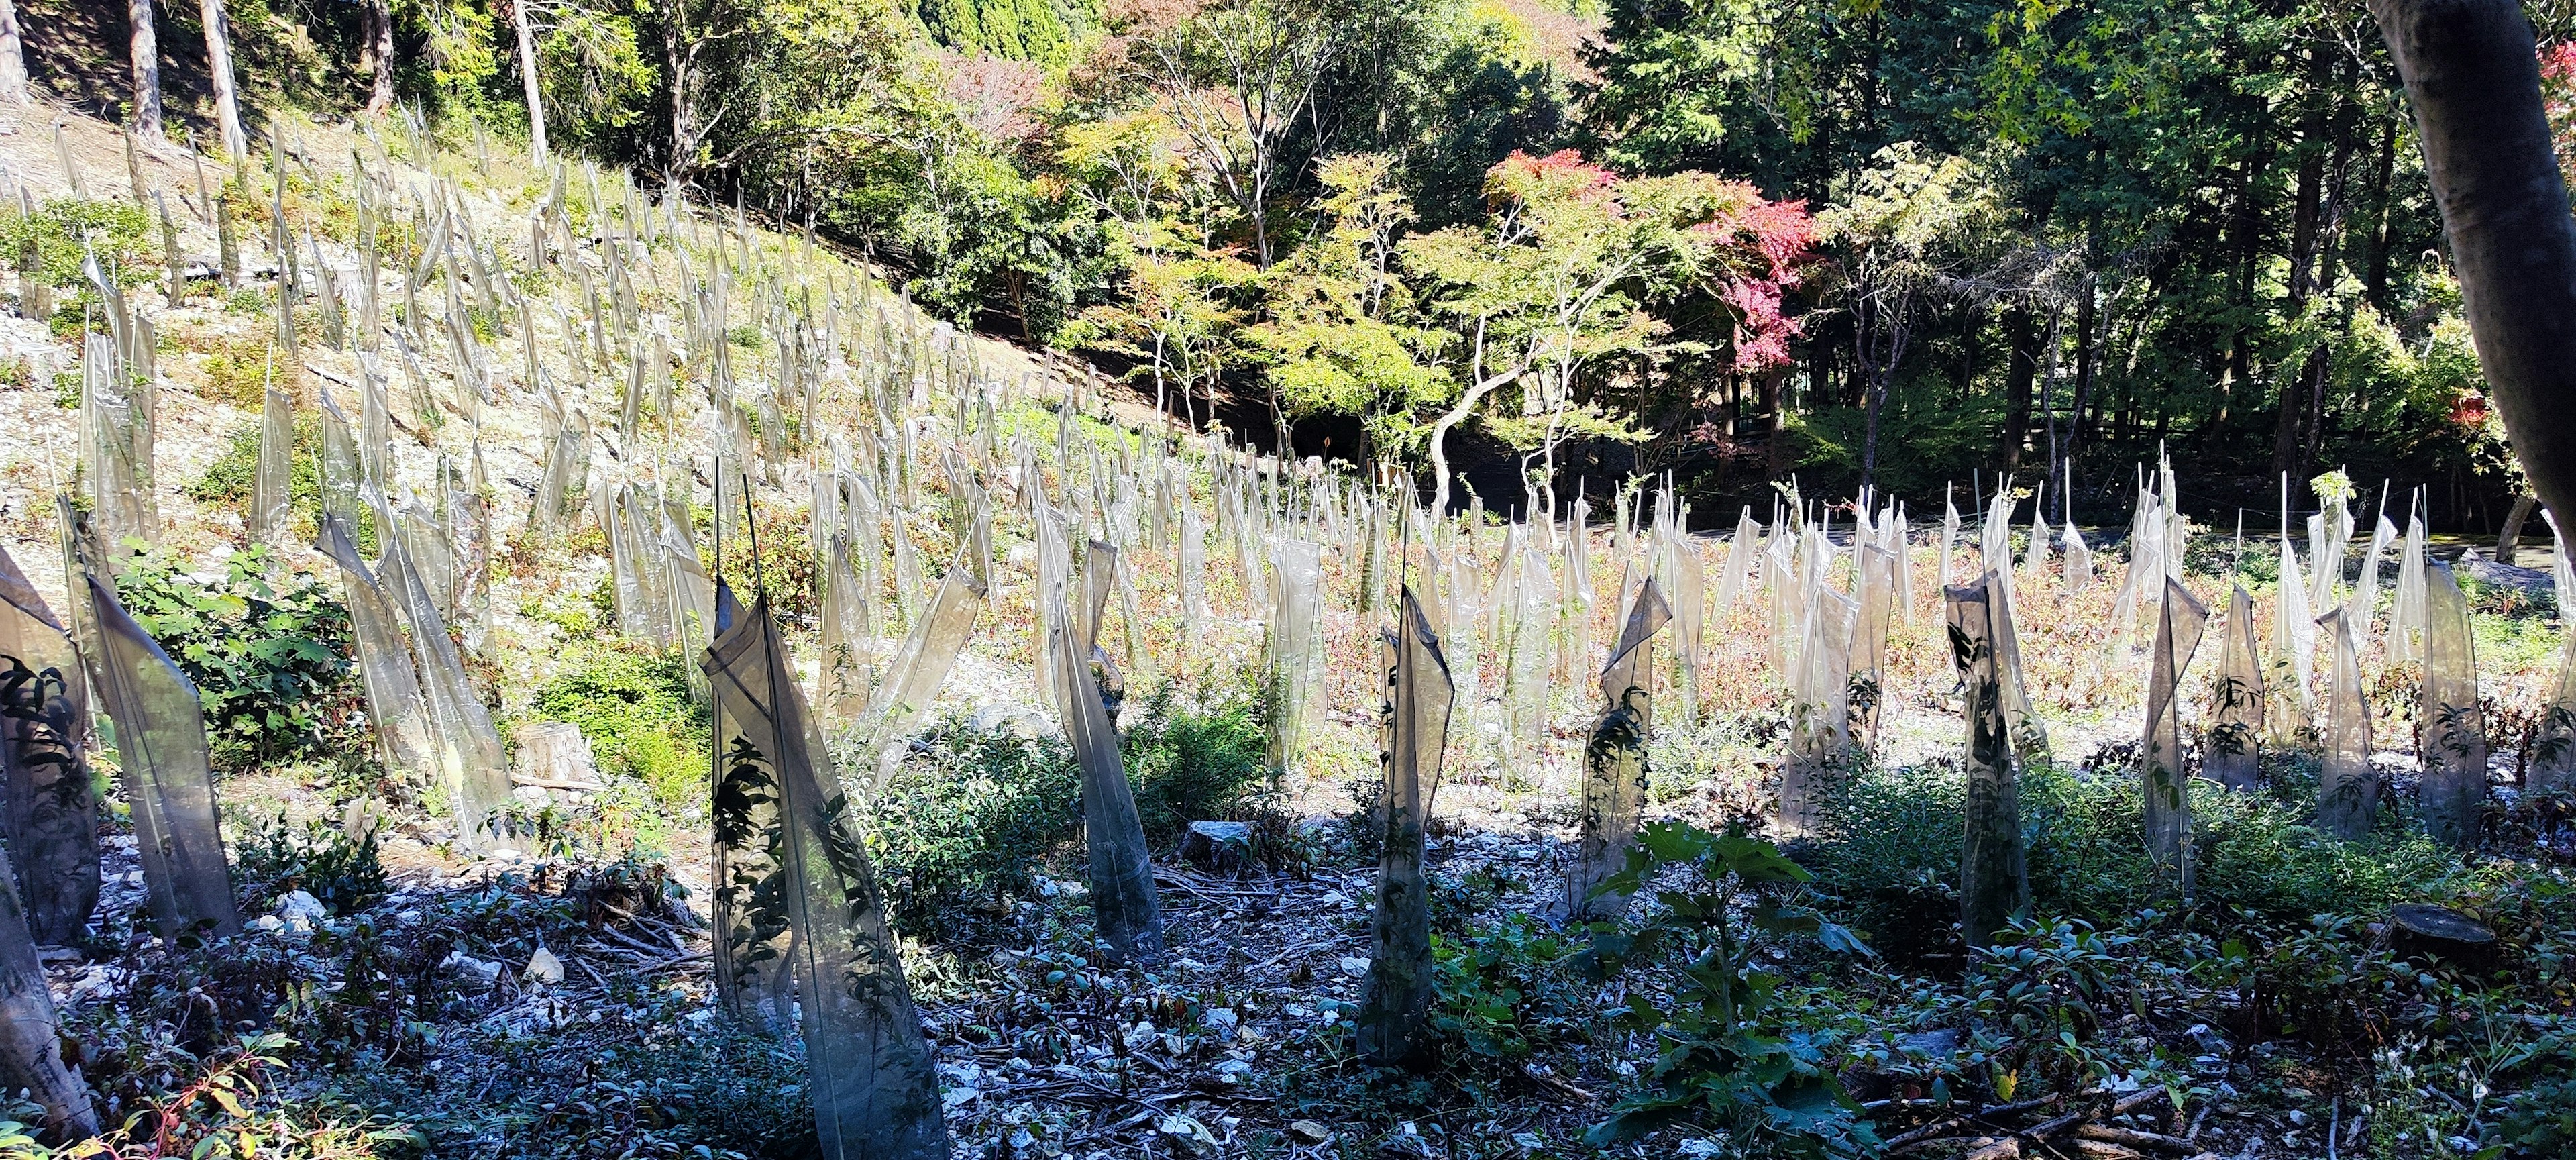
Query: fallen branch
x,y
2129,1138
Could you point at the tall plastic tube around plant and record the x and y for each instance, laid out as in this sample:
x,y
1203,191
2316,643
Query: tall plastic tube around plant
x,y
396,707
339,463
116,449
1739,562
2362,606
274,471
161,754
472,770
2163,786
2406,615
2079,561
48,808
1949,535
2347,786
2230,752
1123,904
869,1070
1531,660
1292,650
1994,874
1820,721
2553,746
1877,596
2449,722
928,653
2294,650
1397,994
1614,761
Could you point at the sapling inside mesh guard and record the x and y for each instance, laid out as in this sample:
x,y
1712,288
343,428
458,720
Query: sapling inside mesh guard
x,y
2163,786
1994,875
2449,722
396,706
160,741
929,652
1412,733
48,809
2347,787
2230,753
803,916
1614,762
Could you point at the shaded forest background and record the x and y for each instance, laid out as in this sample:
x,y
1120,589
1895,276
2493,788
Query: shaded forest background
x,y
1851,241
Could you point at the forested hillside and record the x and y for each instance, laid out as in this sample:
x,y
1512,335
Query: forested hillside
x,y
2051,238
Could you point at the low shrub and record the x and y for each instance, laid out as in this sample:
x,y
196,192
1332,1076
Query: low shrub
x,y
635,706
974,814
1892,853
269,653
342,873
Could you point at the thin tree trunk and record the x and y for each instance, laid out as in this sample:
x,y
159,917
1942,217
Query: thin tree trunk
x,y
2474,82
528,83
2021,332
2509,544
219,70
380,54
13,56
147,68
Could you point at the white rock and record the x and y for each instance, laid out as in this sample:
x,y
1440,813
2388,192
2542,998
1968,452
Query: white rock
x,y
1354,966
301,910
543,967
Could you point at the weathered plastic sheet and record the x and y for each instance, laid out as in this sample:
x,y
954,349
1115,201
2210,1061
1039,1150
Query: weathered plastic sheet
x,y
31,1037
1994,874
2450,723
2231,752
161,749
471,768
2029,733
51,810
1415,728
1614,781
2163,785
2347,787
817,899
1531,663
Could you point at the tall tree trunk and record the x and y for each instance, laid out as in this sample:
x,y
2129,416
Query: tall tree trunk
x,y
13,56
2022,332
147,68
2473,78
2376,279
219,70
380,56
2305,222
528,82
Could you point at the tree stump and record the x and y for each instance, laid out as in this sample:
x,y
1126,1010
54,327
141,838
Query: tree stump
x,y
554,755
2419,930
1218,847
